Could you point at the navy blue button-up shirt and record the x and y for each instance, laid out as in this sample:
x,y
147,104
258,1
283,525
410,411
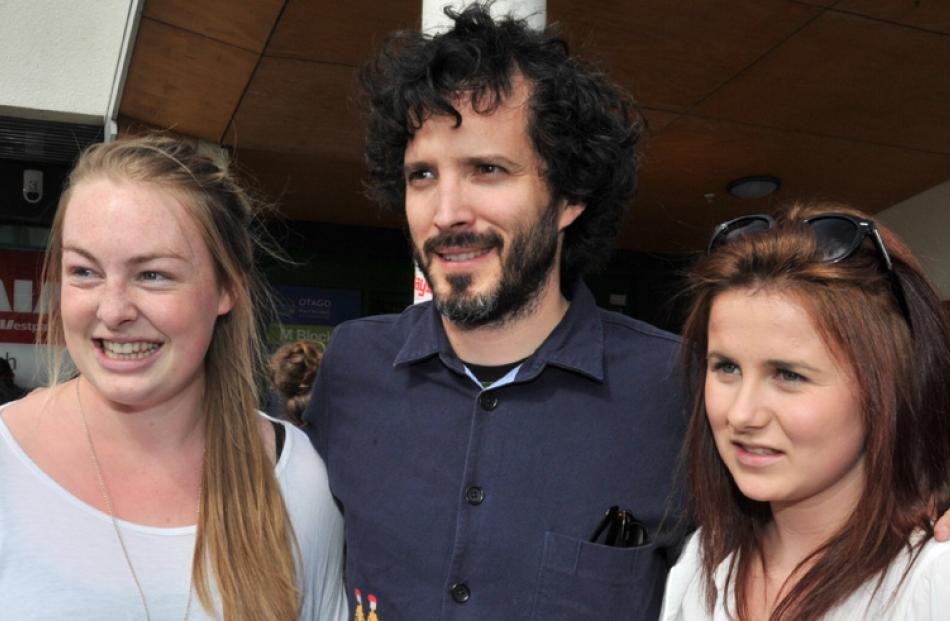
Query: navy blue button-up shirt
x,y
478,504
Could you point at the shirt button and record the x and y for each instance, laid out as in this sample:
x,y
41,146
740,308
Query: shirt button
x,y
488,401
460,593
474,495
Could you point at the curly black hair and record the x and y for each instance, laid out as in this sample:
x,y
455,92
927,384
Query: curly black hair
x,y
583,126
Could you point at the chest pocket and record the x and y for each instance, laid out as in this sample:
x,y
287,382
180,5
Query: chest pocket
x,y
579,580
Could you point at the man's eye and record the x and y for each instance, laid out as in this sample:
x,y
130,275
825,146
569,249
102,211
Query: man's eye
x,y
489,169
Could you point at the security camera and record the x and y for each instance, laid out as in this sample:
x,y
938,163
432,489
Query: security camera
x,y
32,185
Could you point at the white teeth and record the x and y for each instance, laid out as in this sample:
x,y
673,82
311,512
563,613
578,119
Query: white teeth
x,y
128,351
464,256
760,451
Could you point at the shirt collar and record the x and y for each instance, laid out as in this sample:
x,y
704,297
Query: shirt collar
x,y
426,338
576,344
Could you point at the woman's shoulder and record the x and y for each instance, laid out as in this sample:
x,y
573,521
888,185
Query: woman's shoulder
x,y
26,407
915,587
31,425
684,586
300,470
932,562
297,456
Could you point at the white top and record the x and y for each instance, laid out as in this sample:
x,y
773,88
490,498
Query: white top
x,y
60,558
923,596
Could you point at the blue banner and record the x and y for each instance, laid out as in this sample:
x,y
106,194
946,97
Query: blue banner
x,y
317,306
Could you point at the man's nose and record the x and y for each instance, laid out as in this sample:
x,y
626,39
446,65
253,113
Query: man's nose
x,y
453,208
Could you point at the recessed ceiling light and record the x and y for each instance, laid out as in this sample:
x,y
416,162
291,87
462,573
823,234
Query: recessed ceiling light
x,y
756,186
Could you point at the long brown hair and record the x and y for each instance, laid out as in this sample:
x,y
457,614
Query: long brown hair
x,y
902,367
245,546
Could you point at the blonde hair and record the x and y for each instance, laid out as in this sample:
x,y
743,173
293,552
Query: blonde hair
x,y
293,368
245,544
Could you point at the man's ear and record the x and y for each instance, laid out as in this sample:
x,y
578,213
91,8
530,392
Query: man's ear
x,y
569,213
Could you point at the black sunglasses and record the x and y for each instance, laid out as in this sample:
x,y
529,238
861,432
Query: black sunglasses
x,y
838,236
620,530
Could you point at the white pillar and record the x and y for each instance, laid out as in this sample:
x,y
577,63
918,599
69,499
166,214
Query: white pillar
x,y
434,20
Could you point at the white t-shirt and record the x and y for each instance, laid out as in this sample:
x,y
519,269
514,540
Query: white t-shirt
x,y
923,596
60,558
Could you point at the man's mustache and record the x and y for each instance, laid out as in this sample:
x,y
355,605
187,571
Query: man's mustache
x,y
450,239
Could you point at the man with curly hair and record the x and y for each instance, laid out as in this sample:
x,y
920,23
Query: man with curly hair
x,y
477,442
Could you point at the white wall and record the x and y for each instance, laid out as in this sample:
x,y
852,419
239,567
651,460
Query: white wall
x,y
923,221
58,58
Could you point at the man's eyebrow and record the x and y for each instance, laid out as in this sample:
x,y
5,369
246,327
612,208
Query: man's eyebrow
x,y
492,158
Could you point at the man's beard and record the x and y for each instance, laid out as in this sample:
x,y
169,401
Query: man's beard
x,y
524,273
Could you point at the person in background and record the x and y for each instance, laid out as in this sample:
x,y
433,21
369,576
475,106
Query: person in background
x,y
9,391
147,485
293,368
818,363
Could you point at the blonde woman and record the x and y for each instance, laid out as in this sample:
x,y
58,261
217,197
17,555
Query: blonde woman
x,y
148,486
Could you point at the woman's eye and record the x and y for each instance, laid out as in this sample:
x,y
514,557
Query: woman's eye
x,y
725,366
790,376
79,272
420,174
153,276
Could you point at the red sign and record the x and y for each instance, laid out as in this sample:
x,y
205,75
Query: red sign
x,y
20,272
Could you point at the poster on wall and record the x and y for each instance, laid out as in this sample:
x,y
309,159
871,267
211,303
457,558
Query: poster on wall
x,y
20,272
311,313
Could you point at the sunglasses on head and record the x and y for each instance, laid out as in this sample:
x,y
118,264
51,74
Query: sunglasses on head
x,y
838,235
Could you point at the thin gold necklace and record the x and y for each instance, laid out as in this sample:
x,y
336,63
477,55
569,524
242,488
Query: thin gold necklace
x,y
115,524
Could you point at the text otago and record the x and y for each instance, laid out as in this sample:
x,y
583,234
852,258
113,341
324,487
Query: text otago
x,y
319,303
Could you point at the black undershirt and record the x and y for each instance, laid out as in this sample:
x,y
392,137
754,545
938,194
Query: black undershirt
x,y
488,375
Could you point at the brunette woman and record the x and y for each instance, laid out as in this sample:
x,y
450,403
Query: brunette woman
x,y
293,367
819,445
148,486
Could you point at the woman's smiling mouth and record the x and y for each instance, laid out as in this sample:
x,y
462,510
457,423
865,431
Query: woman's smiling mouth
x,y
130,350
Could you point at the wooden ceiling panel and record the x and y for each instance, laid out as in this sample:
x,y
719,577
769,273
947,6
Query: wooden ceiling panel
x,y
657,119
245,24
693,157
298,106
840,98
850,77
670,56
313,187
340,32
181,80
926,14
